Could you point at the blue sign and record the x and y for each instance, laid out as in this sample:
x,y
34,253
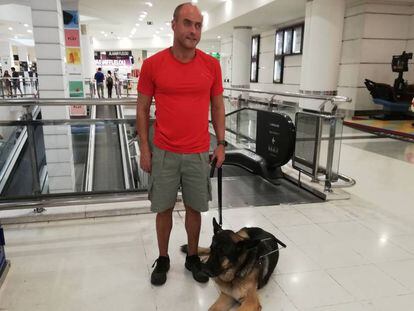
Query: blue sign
x,y
71,19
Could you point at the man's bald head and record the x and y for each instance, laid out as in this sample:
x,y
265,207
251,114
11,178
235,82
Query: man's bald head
x,y
178,9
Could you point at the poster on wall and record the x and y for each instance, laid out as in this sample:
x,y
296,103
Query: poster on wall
x,y
75,89
72,37
73,56
71,19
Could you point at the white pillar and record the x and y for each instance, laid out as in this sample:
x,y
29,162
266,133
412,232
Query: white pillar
x,y
88,62
50,52
240,72
324,24
6,55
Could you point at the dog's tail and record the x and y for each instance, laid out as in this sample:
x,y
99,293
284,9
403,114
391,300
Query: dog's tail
x,y
202,251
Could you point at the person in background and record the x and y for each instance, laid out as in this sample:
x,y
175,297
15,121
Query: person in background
x,y
16,82
99,78
7,84
109,83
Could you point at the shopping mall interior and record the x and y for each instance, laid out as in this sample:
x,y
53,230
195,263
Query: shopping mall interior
x,y
319,134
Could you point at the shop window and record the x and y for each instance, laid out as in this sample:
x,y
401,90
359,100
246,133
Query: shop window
x,y
278,69
254,61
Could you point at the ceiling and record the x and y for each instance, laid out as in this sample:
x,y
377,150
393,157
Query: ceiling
x,y
108,20
112,20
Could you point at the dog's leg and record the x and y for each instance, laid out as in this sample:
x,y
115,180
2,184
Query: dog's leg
x,y
250,302
223,303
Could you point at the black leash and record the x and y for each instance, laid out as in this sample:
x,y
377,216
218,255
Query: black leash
x,y
219,188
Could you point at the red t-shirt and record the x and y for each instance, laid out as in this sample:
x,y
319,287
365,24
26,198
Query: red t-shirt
x,y
182,93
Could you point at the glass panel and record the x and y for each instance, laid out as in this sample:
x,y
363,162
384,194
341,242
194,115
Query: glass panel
x,y
287,42
253,72
255,47
279,43
297,40
278,71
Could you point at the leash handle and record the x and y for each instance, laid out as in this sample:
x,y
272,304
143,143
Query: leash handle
x,y
219,188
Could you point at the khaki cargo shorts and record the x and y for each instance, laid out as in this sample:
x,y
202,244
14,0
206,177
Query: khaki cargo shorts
x,y
170,171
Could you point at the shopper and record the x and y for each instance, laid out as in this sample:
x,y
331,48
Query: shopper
x,y
99,78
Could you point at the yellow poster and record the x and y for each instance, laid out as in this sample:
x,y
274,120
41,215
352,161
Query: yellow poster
x,y
73,56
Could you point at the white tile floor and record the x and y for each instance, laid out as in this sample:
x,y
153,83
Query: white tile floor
x,y
351,255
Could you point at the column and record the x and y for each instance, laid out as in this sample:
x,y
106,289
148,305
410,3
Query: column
x,y
88,62
324,23
50,52
240,72
6,55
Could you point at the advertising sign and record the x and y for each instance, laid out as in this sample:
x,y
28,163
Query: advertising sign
x,y
72,37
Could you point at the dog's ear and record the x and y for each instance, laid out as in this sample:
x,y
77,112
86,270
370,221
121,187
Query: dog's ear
x,y
247,244
216,226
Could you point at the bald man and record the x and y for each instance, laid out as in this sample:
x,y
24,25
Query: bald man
x,y
185,83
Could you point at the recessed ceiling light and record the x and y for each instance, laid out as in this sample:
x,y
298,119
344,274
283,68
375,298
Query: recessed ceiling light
x,y
157,32
29,30
218,37
140,19
26,25
194,1
102,32
10,28
119,38
149,4
106,35
137,24
142,16
15,37
161,28
144,12
168,23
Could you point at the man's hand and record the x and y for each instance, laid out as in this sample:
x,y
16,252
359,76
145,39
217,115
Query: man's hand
x,y
145,159
219,155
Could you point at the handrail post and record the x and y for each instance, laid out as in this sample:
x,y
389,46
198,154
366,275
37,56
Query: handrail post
x,y
317,151
331,147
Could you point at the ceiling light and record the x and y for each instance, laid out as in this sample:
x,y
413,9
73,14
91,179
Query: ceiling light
x,y
29,30
142,16
194,1
140,19
149,4
15,37
157,32
102,32
26,25
137,24
168,23
144,12
218,37
161,28
119,38
10,28
106,35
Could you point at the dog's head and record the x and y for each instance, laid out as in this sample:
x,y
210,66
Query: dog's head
x,y
226,249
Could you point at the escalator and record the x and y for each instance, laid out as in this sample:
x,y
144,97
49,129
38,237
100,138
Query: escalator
x,y
260,143
108,170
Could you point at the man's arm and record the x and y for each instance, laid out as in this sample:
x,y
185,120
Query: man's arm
x,y
218,118
142,125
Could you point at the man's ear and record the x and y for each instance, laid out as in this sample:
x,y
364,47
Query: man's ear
x,y
173,24
216,226
248,244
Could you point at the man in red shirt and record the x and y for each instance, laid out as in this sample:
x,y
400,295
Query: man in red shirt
x,y
184,82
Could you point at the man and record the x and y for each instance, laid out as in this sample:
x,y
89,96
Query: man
x,y
99,78
16,82
184,81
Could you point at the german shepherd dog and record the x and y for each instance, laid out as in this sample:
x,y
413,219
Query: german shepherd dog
x,y
240,263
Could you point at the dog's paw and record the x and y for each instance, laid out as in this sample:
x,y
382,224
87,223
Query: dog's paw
x,y
184,248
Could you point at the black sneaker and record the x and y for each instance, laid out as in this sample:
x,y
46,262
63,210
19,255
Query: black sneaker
x,y
159,275
193,264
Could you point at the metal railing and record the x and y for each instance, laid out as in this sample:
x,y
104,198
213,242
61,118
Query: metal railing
x,y
18,87
325,112
28,123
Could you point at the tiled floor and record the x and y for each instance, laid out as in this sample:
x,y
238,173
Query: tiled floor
x,y
351,255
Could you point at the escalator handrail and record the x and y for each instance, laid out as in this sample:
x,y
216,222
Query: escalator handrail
x,y
124,151
88,181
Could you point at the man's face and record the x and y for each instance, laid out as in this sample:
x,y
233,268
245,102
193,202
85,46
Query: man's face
x,y
187,27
